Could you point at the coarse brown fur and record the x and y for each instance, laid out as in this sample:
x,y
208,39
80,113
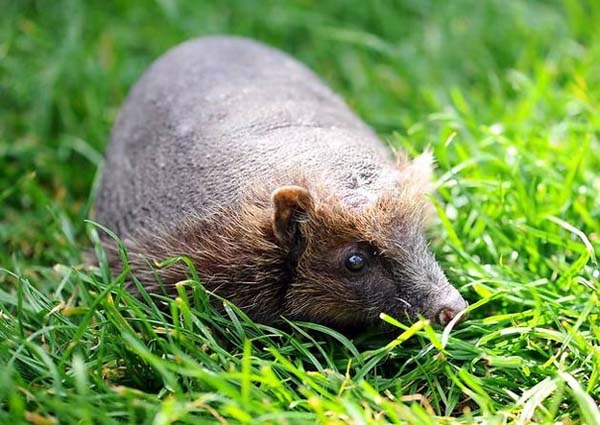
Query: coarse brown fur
x,y
238,255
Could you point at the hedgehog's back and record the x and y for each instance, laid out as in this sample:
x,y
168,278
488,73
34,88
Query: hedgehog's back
x,y
217,114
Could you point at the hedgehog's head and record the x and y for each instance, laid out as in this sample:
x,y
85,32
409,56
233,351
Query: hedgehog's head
x,y
348,265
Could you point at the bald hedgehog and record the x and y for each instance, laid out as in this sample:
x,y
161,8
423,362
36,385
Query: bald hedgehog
x,y
238,157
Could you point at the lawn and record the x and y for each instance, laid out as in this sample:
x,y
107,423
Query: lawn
x,y
506,94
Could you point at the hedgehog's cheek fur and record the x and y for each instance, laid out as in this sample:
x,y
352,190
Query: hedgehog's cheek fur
x,y
329,302
322,291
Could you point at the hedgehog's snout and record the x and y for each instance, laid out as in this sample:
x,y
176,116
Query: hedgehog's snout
x,y
450,305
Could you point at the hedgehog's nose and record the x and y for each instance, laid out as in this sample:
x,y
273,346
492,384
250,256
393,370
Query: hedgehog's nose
x,y
450,308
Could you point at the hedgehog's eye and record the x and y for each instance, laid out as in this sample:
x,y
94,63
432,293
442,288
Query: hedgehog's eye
x,y
355,262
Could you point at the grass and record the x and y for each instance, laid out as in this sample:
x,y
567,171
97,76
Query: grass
x,y
507,94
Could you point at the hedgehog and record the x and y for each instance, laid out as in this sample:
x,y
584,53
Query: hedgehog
x,y
235,155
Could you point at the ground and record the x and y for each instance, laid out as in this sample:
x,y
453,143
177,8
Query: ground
x,y
506,94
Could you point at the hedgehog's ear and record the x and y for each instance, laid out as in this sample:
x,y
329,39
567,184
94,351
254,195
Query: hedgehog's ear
x,y
290,204
418,173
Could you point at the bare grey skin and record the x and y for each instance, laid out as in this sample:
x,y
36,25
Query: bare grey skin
x,y
237,156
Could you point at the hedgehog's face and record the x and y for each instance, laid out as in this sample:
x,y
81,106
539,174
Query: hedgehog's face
x,y
342,282
350,266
